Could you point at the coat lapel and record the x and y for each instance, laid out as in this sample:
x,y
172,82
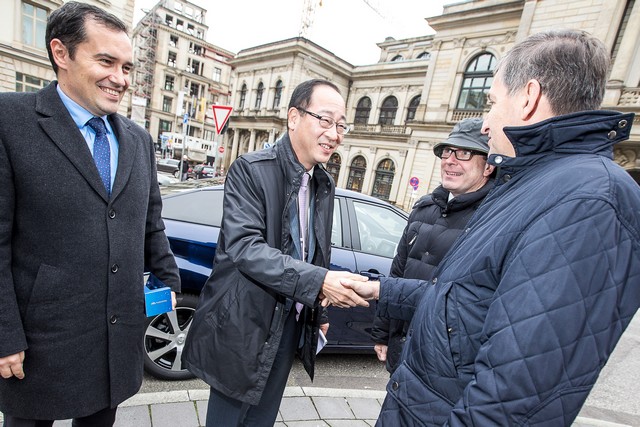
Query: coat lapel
x,y
127,153
63,132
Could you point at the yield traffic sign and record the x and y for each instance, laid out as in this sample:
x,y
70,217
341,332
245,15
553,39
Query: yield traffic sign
x,y
221,114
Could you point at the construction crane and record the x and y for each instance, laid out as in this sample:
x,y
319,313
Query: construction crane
x,y
309,13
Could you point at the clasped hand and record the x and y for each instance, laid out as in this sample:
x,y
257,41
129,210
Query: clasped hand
x,y
333,293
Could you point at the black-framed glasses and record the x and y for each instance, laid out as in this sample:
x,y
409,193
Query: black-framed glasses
x,y
327,122
460,154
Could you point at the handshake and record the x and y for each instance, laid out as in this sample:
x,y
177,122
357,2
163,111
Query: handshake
x,y
344,289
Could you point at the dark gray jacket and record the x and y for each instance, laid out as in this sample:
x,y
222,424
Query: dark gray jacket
x,y
434,225
72,260
238,324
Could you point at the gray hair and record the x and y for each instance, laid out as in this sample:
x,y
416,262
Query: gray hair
x,y
571,67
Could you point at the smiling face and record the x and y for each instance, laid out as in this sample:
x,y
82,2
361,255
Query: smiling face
x,y
464,176
99,74
311,142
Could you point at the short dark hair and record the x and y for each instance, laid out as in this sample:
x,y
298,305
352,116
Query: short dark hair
x,y
68,25
570,65
301,96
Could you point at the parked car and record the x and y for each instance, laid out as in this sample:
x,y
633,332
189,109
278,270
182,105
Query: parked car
x,y
204,171
164,179
172,166
365,234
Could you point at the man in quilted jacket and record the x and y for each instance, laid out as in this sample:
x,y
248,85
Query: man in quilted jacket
x,y
524,311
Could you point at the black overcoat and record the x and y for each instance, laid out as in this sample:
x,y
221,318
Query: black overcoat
x,y
72,259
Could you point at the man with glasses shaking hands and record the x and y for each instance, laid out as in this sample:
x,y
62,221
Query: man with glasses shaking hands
x,y
264,302
436,221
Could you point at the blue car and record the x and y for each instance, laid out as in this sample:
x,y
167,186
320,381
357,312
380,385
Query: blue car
x,y
365,234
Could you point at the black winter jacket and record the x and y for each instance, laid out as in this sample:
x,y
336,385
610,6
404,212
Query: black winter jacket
x,y
434,224
238,323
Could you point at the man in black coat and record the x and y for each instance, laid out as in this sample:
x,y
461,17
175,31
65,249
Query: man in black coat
x,y
262,303
436,222
76,233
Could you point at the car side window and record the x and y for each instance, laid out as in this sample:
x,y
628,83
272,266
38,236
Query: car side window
x,y
379,227
199,207
336,230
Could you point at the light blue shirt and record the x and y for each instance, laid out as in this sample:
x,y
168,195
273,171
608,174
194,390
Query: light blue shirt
x,y
81,116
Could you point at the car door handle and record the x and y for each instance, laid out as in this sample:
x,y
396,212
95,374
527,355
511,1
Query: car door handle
x,y
373,275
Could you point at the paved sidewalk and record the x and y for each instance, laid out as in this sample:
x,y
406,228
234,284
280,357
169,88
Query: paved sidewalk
x,y
301,407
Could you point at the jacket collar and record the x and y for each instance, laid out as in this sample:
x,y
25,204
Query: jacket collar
x,y
60,127
585,132
293,169
440,197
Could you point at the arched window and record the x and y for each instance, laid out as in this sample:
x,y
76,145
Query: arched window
x,y
243,97
397,58
477,82
388,110
356,174
259,92
384,179
362,111
277,95
333,166
413,106
424,55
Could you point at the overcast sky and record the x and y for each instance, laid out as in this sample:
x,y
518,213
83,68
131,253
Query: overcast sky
x,y
348,28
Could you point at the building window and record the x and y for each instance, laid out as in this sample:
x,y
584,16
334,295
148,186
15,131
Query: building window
x,y
259,92
356,174
195,90
362,111
333,166
477,82
424,55
191,29
166,104
164,126
277,97
413,106
179,24
217,74
194,66
168,20
173,41
171,60
26,83
397,58
196,49
388,111
384,179
243,97
621,30
34,23
169,82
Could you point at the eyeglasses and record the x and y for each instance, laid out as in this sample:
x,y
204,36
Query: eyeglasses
x,y
463,155
328,122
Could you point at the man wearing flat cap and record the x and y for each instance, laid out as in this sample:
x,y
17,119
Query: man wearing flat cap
x,y
436,221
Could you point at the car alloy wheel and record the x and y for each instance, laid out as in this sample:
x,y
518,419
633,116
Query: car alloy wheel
x,y
164,339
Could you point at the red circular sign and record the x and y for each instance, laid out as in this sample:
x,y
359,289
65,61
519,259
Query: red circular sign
x,y
221,150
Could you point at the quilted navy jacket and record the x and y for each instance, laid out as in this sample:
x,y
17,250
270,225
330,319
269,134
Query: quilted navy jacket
x,y
526,308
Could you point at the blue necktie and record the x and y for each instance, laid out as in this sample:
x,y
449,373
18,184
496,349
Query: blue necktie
x,y
101,151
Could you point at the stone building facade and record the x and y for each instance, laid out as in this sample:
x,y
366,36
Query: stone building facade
x,y
398,107
402,105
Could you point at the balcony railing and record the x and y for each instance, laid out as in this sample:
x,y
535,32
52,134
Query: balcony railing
x,y
388,129
630,97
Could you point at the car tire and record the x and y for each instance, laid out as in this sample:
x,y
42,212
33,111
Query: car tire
x,y
176,174
164,338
